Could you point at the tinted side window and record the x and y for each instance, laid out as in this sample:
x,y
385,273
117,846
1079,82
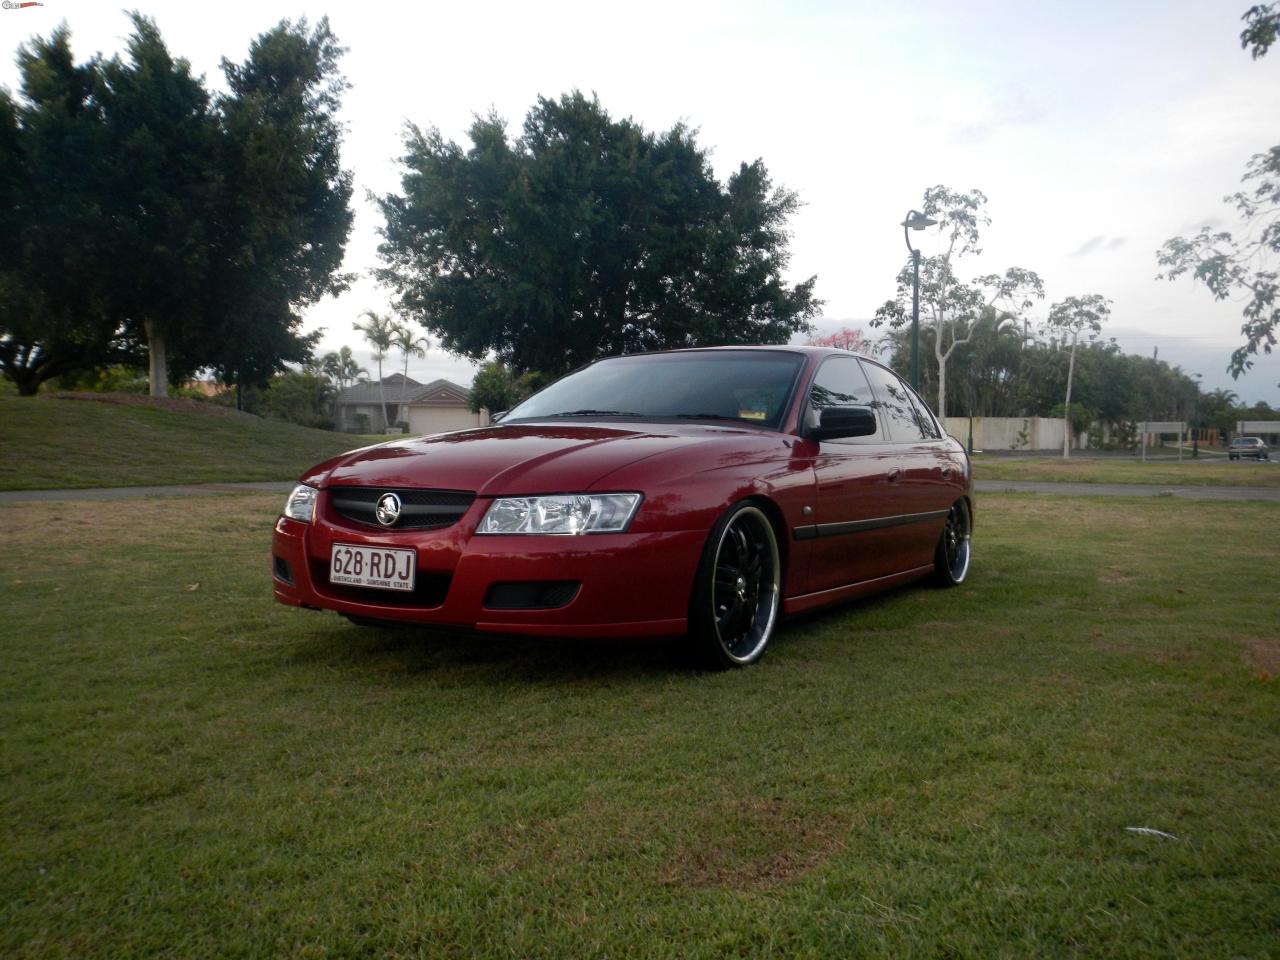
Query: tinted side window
x,y
840,383
895,401
928,426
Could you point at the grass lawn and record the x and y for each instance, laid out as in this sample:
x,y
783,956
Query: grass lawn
x,y
192,771
1207,472
51,442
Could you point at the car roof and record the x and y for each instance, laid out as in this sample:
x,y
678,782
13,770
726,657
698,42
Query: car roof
x,y
767,347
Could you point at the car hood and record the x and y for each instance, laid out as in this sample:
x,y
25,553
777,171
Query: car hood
x,y
507,459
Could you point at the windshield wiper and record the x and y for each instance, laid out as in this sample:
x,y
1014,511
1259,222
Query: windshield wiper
x,y
712,416
596,413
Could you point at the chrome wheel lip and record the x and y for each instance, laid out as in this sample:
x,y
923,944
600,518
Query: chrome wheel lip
x,y
957,551
768,592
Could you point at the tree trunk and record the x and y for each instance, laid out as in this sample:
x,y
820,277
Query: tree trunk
x,y
382,395
404,386
1066,407
158,361
942,388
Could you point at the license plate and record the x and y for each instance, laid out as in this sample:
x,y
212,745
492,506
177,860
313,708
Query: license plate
x,y
382,568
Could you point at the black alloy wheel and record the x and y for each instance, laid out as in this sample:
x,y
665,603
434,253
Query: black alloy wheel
x,y
739,588
951,558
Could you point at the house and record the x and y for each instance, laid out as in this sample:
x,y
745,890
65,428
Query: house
x,y
435,407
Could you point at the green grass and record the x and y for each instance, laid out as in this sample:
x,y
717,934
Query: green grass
x,y
190,770
1214,472
52,442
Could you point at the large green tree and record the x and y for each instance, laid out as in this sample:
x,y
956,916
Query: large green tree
x,y
285,210
55,256
586,236
161,197
149,216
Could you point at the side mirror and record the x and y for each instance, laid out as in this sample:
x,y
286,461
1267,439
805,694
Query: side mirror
x,y
838,423
495,417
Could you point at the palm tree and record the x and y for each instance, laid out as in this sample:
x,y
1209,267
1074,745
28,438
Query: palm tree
x,y
342,369
380,332
409,346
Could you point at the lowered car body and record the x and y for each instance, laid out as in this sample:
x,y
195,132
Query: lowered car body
x,y
818,477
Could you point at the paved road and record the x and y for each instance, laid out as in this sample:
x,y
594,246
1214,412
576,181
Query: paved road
x,y
1129,490
983,486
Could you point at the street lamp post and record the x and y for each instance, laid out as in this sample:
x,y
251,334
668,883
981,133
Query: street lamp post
x,y
915,220
973,400
1195,420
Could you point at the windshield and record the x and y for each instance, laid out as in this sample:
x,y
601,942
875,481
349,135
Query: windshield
x,y
745,386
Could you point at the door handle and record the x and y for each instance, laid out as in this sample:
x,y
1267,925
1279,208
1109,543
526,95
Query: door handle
x,y
946,473
895,475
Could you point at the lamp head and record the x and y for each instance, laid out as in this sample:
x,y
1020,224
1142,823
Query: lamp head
x,y
918,221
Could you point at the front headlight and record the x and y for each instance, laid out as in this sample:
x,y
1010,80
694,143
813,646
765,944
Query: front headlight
x,y
301,504
571,513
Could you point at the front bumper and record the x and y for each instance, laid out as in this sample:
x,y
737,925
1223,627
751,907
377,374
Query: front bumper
x,y
632,584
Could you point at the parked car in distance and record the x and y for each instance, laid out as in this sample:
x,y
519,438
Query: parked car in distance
x,y
1251,447
702,493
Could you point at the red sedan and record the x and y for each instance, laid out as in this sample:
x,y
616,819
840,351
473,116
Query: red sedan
x,y
691,492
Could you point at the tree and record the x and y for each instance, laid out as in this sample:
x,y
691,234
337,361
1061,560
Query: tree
x,y
150,212
300,397
380,331
586,236
1073,316
285,209
342,368
496,388
1262,23
953,307
161,194
1247,266
846,338
57,248
409,345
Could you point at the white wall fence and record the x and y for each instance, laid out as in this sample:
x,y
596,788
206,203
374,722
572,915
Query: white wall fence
x,y
1013,433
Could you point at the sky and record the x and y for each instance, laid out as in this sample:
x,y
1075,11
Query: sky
x,y
1097,130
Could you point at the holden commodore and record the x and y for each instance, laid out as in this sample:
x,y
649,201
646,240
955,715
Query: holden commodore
x,y
696,493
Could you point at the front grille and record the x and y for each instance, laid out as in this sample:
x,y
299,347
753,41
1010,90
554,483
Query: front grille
x,y
420,509
429,589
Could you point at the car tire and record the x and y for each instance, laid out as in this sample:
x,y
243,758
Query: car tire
x,y
954,550
738,590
